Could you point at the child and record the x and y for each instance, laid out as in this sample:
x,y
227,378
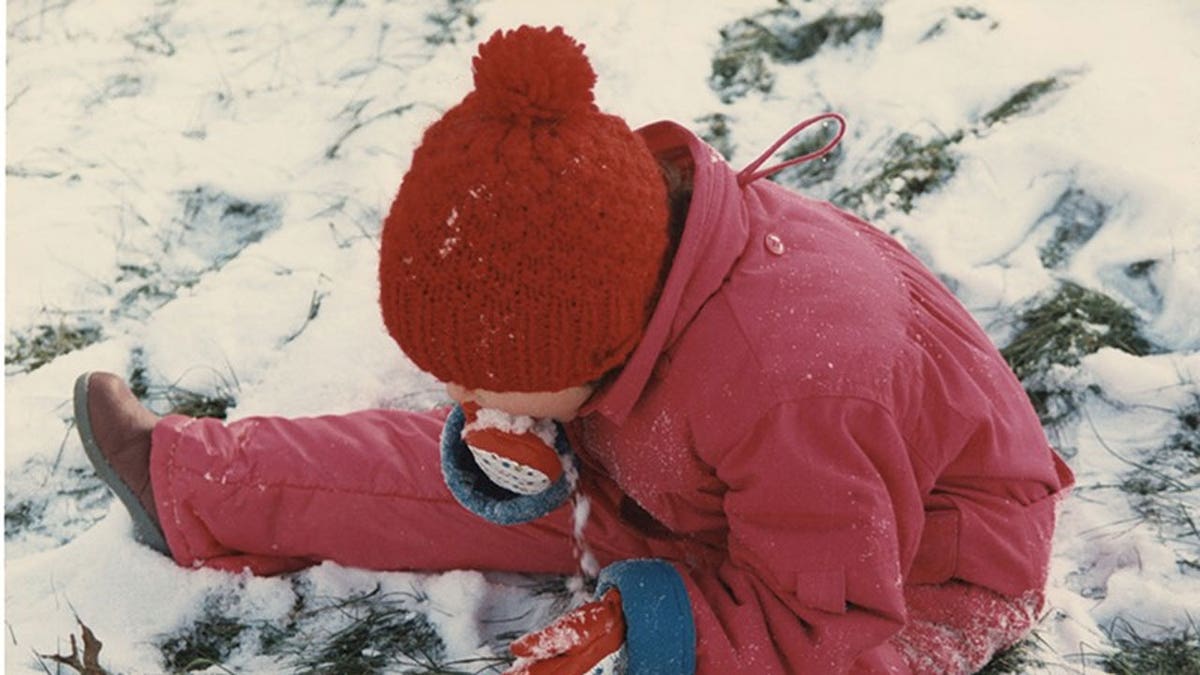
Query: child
x,y
801,454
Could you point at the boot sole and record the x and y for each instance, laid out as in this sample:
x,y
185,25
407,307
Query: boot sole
x,y
145,530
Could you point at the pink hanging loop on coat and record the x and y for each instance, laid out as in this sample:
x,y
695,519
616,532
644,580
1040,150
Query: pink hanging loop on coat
x,y
752,173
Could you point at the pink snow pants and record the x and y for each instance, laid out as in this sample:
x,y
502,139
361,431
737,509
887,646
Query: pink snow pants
x,y
274,495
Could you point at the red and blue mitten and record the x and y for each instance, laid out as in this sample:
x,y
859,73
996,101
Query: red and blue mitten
x,y
589,640
516,453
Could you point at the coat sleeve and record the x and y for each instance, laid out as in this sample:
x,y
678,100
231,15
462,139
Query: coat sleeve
x,y
812,582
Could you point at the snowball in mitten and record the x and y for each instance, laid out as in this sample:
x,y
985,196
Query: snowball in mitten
x,y
515,452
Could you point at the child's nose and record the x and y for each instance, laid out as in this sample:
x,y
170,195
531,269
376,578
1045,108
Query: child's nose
x,y
459,394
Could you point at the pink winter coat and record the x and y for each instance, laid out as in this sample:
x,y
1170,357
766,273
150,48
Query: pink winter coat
x,y
821,418
811,428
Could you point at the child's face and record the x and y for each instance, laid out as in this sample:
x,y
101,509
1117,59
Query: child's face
x,y
560,405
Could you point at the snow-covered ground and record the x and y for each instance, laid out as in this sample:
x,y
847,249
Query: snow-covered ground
x,y
194,193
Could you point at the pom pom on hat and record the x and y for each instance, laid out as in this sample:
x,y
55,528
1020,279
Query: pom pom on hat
x,y
524,247
534,73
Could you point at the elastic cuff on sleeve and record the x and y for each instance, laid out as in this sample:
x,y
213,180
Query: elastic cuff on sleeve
x,y
479,495
660,634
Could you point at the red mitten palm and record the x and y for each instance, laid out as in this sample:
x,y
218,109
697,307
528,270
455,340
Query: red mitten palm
x,y
510,450
589,639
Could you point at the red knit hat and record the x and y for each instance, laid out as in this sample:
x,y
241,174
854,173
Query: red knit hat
x,y
524,247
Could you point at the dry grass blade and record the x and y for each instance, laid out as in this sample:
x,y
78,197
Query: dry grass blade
x,y
1175,651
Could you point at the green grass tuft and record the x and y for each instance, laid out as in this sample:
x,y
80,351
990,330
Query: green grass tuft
x,y
969,13
452,23
369,632
1059,331
1072,323
1022,100
41,344
199,404
910,168
176,400
1175,654
806,40
173,399
740,64
781,35
1019,658
207,642
1161,483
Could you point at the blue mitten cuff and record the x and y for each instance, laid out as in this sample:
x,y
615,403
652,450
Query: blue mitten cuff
x,y
479,495
660,634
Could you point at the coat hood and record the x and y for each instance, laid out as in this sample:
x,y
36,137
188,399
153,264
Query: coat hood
x,y
714,236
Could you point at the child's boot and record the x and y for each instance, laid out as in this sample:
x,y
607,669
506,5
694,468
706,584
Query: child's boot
x,y
116,429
